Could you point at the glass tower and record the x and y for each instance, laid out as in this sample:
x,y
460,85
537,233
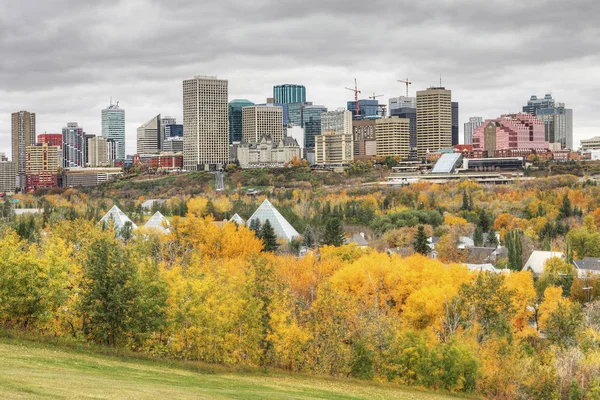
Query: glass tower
x,y
289,93
366,108
235,119
113,127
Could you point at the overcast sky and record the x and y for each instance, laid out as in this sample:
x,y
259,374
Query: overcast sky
x,y
64,59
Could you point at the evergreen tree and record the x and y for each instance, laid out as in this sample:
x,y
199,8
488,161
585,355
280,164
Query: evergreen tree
x,y
210,209
566,210
255,226
540,212
491,240
470,202
465,201
309,238
484,221
420,245
334,233
267,235
478,237
515,250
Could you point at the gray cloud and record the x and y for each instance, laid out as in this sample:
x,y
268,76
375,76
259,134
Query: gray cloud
x,y
64,58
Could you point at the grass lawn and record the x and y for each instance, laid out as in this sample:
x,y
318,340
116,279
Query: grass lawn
x,y
37,371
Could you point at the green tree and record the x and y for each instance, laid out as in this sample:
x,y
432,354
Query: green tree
x,y
563,324
309,238
492,240
514,245
478,236
466,205
268,236
255,226
421,245
334,233
566,210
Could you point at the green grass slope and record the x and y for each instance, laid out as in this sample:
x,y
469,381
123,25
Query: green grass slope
x,y
32,371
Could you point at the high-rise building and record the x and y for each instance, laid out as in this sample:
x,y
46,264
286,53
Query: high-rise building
x,y
474,123
164,122
113,127
337,122
365,145
53,139
334,148
235,119
591,143
205,123
42,166
98,152
23,135
401,102
172,131
434,120
73,146
3,157
149,136
289,93
558,120
411,114
173,145
311,122
393,137
7,177
454,123
366,109
510,132
259,121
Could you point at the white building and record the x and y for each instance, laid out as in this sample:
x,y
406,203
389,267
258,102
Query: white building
x,y
205,123
258,121
401,102
148,136
268,154
113,127
336,122
296,132
173,145
474,123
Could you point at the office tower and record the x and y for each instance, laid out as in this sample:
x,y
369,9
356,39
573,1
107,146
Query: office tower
x,y
7,177
205,123
98,152
334,148
164,122
3,157
289,93
393,137
148,136
311,122
401,102
42,166
510,132
411,114
53,139
337,122
363,135
23,135
434,120
113,127
558,120
173,145
259,121
366,109
454,123
235,118
112,148
590,144
73,146
172,131
474,123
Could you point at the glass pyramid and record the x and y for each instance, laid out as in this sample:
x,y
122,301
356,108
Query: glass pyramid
x,y
158,221
237,219
282,228
118,217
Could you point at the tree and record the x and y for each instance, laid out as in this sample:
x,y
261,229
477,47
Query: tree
x,y
566,210
255,226
421,245
334,233
478,237
514,245
492,240
484,220
465,202
268,236
309,238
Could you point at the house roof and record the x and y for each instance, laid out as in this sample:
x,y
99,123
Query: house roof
x,y
588,264
537,260
358,239
266,211
158,221
118,217
485,267
476,254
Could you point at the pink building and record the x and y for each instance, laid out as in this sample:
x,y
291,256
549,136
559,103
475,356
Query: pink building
x,y
509,132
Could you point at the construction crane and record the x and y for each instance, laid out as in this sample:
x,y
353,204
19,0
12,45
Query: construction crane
x,y
375,96
407,82
356,92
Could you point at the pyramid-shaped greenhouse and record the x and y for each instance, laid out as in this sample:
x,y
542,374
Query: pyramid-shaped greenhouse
x,y
118,217
237,219
282,228
158,221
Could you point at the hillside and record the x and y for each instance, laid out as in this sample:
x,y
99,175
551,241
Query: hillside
x,y
33,371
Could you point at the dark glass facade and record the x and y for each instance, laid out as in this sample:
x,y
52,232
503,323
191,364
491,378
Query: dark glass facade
x,y
173,130
366,108
235,119
289,93
454,123
311,122
411,114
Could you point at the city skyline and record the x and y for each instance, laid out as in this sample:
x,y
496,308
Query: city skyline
x,y
492,72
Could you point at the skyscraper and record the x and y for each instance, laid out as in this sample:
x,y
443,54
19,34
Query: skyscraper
x,y
42,166
289,93
98,152
434,120
149,136
259,121
235,118
113,127
164,122
337,122
311,122
73,146
205,123
470,127
23,135
558,120
366,108
393,137
454,123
